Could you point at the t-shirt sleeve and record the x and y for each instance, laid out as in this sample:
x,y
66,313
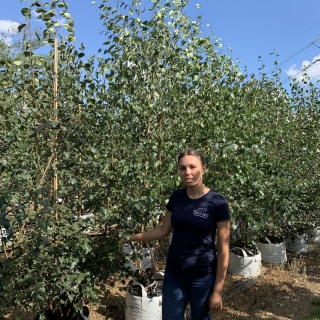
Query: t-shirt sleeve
x,y
223,211
169,205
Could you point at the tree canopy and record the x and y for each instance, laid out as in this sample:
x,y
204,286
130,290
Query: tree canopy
x,y
157,86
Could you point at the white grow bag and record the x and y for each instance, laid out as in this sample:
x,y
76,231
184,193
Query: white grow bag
x,y
315,235
244,265
273,252
3,237
143,308
298,244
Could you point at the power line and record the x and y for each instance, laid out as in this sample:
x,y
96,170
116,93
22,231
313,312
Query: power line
x,y
309,65
307,46
303,69
298,37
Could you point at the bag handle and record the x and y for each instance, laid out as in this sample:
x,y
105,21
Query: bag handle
x,y
244,254
144,295
243,251
268,240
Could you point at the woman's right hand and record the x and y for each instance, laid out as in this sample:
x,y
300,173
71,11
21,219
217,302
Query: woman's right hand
x,y
155,234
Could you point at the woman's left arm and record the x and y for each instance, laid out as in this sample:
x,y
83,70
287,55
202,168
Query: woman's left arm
x,y
223,239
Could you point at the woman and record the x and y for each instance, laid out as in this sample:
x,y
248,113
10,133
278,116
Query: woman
x,y
193,272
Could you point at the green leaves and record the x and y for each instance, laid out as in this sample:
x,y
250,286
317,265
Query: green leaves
x,y
36,4
123,117
18,62
26,12
21,27
66,15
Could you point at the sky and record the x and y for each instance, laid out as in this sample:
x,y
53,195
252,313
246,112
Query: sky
x,y
284,30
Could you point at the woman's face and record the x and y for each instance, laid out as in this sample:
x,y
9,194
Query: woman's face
x,y
191,170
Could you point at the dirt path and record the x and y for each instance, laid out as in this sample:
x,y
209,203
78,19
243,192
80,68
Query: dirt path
x,y
284,292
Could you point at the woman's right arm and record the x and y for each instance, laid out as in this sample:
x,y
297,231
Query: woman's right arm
x,y
157,233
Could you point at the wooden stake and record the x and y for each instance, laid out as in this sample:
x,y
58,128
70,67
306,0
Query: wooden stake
x,y
55,118
79,209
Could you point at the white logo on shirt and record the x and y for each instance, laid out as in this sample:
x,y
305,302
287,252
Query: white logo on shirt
x,y
201,212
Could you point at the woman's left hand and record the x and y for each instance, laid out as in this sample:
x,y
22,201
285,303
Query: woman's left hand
x,y
215,302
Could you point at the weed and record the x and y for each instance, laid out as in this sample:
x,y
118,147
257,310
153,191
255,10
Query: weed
x,y
297,266
316,302
315,315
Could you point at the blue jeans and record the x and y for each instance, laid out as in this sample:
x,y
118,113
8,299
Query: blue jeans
x,y
178,290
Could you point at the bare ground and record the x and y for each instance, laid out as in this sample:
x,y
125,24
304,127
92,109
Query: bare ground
x,y
281,292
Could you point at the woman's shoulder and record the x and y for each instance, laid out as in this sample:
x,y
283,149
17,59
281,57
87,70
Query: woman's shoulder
x,y
177,196
217,196
221,205
179,192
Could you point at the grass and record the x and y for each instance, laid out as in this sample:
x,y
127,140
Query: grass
x,y
315,315
296,265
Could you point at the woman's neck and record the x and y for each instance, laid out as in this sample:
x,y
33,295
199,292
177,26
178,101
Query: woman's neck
x,y
196,192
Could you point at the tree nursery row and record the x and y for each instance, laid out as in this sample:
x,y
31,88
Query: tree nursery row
x,y
98,152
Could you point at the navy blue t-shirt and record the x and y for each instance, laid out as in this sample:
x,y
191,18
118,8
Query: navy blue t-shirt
x,y
194,221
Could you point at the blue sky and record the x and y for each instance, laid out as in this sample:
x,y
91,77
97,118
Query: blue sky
x,y
251,28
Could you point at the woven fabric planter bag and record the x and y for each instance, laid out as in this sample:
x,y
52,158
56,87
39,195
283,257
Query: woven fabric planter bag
x,y
315,235
3,238
272,252
298,244
143,305
244,265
